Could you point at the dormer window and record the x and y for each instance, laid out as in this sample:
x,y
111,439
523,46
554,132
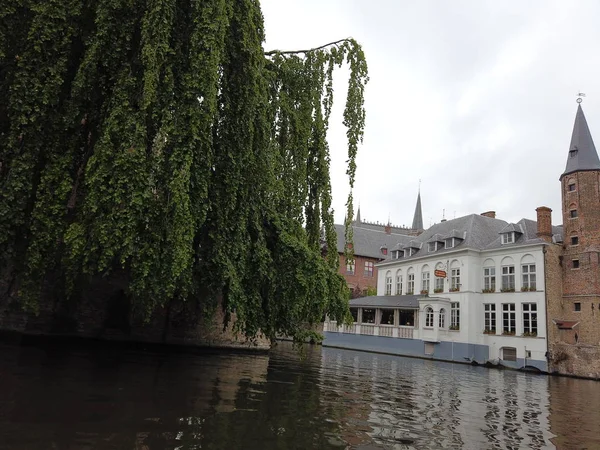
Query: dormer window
x,y
508,238
573,152
409,252
450,243
432,246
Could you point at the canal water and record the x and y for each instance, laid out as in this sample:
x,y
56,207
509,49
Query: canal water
x,y
54,396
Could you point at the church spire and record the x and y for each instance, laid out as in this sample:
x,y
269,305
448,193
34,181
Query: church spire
x,y
358,220
418,218
582,152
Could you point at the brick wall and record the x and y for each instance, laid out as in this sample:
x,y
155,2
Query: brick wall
x,y
359,278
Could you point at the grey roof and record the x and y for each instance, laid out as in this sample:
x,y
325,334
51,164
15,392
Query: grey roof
x,y
436,238
368,242
529,234
479,233
387,301
418,218
511,227
413,244
582,152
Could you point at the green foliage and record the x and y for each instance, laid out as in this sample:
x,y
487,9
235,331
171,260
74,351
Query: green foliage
x,y
156,138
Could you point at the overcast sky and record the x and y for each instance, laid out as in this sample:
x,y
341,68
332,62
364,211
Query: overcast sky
x,y
475,98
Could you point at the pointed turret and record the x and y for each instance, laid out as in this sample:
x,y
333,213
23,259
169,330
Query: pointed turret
x,y
358,220
418,218
582,152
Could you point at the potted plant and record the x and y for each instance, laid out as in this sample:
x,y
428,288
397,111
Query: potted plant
x,y
529,334
424,292
454,289
438,290
508,333
489,331
488,291
507,290
410,293
528,289
454,327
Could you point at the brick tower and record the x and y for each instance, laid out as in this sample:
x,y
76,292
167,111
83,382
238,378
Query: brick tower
x,y
580,186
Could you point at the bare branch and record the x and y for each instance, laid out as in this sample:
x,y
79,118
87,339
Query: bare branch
x,y
290,52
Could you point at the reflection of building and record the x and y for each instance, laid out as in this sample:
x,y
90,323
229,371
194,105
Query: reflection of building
x,y
574,268
472,285
371,244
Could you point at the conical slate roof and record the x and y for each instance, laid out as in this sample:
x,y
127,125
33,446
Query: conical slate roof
x,y
582,152
418,218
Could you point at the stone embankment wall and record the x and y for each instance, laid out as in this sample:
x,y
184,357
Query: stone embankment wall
x,y
104,312
579,360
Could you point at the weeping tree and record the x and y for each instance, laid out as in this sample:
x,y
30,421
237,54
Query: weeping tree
x,y
158,139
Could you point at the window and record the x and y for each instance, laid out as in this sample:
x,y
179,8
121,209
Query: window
x,y
407,317
442,321
429,317
431,247
509,324
354,313
489,279
398,283
508,238
509,354
387,317
530,319
439,284
508,278
368,315
574,240
411,284
571,187
573,213
528,271
388,284
369,268
350,264
455,280
429,348
425,281
575,264
454,316
450,243
489,318
577,306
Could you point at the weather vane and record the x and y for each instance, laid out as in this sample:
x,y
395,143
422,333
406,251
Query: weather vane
x,y
579,97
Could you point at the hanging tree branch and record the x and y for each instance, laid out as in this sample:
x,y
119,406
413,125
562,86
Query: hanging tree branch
x,y
291,52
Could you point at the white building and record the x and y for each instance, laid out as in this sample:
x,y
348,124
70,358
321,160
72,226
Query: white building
x,y
474,287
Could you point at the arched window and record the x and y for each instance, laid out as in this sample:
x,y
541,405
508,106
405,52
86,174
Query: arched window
x,y
410,288
455,276
528,273
429,317
442,323
399,282
439,281
425,277
388,283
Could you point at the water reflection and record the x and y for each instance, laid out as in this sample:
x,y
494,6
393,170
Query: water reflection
x,y
53,397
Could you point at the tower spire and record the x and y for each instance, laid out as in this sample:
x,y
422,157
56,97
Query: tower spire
x,y
582,151
418,218
358,220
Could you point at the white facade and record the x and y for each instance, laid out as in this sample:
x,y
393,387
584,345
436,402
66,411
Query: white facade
x,y
515,321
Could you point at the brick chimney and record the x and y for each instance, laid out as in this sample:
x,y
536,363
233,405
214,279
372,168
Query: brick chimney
x,y
490,214
544,223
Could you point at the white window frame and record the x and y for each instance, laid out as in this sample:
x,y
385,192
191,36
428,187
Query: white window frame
x,y
429,317
425,281
369,269
399,283
508,277
509,318
455,315
438,284
350,266
442,318
489,317
431,246
410,288
388,284
449,243
530,324
455,278
489,278
528,275
508,238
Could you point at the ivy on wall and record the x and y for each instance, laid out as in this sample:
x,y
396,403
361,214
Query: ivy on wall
x,y
156,137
